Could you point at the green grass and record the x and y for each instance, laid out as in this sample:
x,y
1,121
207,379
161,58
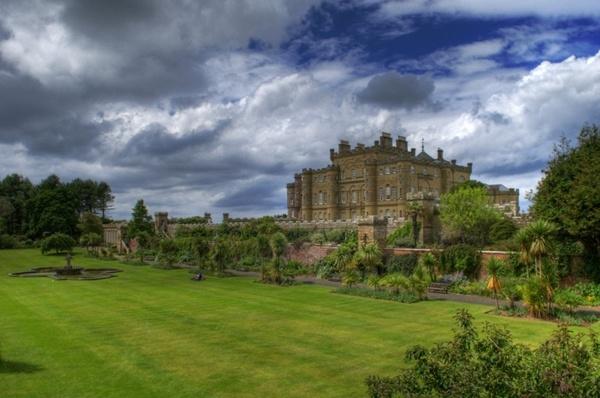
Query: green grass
x,y
155,333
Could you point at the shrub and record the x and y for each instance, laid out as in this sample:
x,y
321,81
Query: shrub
x,y
58,242
404,264
461,258
566,300
8,242
502,229
402,236
402,297
167,252
490,364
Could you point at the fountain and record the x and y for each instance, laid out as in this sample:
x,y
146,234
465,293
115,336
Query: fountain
x,y
69,272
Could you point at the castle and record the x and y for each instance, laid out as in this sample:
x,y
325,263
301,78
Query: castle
x,y
380,180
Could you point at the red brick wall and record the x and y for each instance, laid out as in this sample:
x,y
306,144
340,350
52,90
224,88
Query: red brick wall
x,y
308,253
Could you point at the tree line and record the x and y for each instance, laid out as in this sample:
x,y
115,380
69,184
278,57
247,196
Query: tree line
x,y
31,211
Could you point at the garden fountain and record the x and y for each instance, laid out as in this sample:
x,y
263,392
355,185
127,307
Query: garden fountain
x,y
69,272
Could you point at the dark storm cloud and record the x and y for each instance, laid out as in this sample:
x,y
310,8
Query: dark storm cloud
x,y
155,139
393,90
259,196
109,19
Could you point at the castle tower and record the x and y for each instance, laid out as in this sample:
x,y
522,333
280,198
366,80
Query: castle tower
x,y
332,193
307,195
371,187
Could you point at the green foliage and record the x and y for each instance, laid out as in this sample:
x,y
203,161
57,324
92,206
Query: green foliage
x,y
404,264
430,263
17,190
461,258
589,291
144,242
167,252
8,242
90,240
536,296
569,195
317,238
567,300
395,282
467,215
220,256
402,236
402,297
90,223
503,229
51,209
368,258
490,364
140,221
58,242
350,278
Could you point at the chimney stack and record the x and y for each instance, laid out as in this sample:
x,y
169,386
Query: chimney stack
x,y
440,154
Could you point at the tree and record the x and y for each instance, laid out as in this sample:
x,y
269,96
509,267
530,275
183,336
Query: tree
x,y
368,258
52,209
395,282
59,242
90,223
141,221
84,192
278,243
18,190
167,252
569,194
104,199
467,214
90,240
220,255
494,267
144,241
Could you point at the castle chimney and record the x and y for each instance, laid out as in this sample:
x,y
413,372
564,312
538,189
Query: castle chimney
x,y
440,154
376,143
331,154
343,146
225,217
470,165
453,162
386,140
401,143
413,151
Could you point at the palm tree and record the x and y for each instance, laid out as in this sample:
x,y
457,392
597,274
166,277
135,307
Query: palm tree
x,y
419,281
342,258
494,267
278,244
395,282
540,233
369,257
429,261
523,239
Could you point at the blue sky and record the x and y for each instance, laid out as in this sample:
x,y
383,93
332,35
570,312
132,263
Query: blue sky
x,y
213,106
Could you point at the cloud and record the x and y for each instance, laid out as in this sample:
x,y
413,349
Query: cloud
x,y
393,90
582,8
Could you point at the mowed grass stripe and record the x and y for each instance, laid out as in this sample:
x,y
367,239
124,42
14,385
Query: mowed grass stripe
x,y
151,332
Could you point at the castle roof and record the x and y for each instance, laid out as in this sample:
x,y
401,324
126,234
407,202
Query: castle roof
x,y
424,156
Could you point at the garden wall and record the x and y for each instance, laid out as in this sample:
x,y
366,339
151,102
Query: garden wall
x,y
309,254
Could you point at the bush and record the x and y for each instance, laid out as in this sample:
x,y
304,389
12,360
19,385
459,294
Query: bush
x,y
461,258
490,364
502,229
58,242
8,242
167,252
317,238
402,297
404,264
566,300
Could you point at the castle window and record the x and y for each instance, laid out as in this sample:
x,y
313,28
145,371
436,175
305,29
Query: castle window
x,y
354,196
343,197
394,195
412,169
381,195
388,192
320,198
387,212
325,197
387,170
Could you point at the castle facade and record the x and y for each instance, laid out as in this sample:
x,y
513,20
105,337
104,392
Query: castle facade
x,y
378,180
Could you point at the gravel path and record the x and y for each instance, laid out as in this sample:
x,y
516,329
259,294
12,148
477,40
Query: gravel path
x,y
461,298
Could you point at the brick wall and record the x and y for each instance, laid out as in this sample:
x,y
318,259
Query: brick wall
x,y
308,253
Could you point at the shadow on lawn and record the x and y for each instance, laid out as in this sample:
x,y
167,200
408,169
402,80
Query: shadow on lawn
x,y
18,367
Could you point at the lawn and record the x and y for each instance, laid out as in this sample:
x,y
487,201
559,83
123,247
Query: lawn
x,y
155,333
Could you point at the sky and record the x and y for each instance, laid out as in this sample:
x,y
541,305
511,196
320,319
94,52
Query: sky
x,y
212,106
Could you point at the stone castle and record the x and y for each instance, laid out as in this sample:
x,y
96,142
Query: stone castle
x,y
380,180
